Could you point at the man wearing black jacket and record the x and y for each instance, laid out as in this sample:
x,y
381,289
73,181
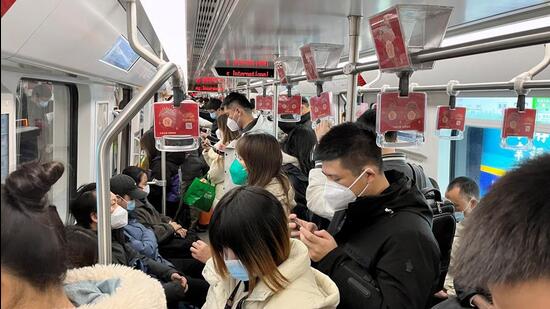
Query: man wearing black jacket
x,y
379,248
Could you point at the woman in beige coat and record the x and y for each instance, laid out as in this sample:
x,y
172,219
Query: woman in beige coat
x,y
254,262
259,161
214,156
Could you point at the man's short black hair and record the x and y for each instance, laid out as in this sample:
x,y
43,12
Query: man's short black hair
x,y
305,101
368,121
237,98
353,145
506,237
467,186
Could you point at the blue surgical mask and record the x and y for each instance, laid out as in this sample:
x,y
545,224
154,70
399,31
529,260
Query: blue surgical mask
x,y
236,270
131,205
238,173
459,216
213,115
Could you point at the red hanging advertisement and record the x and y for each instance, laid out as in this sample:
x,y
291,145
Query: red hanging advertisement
x,y
518,123
264,103
389,42
309,63
178,121
452,119
292,105
401,113
281,73
320,106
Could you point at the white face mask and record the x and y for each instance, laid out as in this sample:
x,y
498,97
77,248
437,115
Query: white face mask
x,y
338,197
219,134
232,125
44,103
119,218
147,189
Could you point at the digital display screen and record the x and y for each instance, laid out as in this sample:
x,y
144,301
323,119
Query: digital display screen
x,y
121,55
245,72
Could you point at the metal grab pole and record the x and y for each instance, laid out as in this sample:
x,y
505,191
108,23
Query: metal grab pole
x,y
503,42
164,182
534,84
103,147
275,108
354,29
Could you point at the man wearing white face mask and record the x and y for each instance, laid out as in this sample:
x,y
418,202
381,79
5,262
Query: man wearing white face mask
x,y
379,248
239,110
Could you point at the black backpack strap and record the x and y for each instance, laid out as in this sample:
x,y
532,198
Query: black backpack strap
x,y
418,176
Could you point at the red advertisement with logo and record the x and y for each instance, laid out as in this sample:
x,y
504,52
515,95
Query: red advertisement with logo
x,y
401,113
453,119
320,105
389,41
518,123
281,73
264,103
309,63
181,121
292,105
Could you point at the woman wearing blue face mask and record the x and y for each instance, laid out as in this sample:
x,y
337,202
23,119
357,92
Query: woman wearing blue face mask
x,y
254,262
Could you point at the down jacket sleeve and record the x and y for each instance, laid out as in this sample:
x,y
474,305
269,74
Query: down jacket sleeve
x,y
315,194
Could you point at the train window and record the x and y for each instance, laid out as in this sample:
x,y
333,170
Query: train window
x,y
43,119
480,157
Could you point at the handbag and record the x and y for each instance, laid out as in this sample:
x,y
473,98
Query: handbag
x,y
200,194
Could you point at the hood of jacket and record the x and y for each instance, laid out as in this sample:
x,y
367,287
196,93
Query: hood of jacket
x,y
262,125
113,286
288,159
285,197
307,287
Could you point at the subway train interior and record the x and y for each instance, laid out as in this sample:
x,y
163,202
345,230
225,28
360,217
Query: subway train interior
x,y
464,84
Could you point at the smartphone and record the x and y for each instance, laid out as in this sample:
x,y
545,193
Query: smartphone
x,y
298,225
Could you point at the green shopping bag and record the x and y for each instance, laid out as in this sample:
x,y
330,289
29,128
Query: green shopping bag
x,y
200,195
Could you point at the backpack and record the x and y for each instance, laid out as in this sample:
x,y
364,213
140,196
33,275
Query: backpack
x,y
443,228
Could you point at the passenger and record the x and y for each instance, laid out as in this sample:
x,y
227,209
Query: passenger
x,y
173,161
214,108
391,160
255,264
305,119
259,163
173,240
177,286
34,268
215,156
297,162
463,192
239,111
505,245
379,248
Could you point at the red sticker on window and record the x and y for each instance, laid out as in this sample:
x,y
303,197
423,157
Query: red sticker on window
x,y
388,40
518,123
320,106
453,119
309,63
179,121
401,113
264,103
292,105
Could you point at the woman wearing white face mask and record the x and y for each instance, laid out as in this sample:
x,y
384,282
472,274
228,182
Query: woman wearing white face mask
x,y
255,264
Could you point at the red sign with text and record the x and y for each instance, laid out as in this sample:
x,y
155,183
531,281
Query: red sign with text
x,y
401,113
453,119
518,123
309,63
264,103
320,105
292,105
180,121
389,42
281,74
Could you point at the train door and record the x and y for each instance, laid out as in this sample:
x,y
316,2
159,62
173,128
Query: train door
x,y
46,126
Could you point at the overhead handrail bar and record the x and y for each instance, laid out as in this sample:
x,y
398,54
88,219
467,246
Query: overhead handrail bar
x,y
502,42
519,81
533,84
177,77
